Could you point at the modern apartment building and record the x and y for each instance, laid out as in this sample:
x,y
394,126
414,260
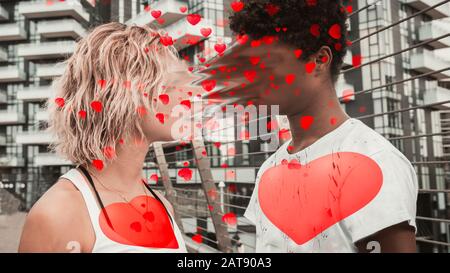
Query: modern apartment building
x,y
34,37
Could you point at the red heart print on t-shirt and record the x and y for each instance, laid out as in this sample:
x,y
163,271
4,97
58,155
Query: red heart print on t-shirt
x,y
142,222
304,200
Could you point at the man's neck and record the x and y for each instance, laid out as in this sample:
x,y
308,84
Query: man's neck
x,y
327,115
124,173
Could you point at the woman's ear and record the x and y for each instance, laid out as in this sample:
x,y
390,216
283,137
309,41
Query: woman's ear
x,y
323,59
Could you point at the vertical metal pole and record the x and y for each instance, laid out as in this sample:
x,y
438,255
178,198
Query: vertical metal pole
x,y
164,171
211,193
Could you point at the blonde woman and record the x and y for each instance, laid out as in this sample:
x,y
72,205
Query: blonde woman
x,y
104,118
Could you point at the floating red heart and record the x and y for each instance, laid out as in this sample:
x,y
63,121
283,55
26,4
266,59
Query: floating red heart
x,y
142,222
164,98
206,31
220,48
304,200
290,78
156,13
185,173
237,6
98,164
193,19
60,102
306,122
335,31
208,85
97,106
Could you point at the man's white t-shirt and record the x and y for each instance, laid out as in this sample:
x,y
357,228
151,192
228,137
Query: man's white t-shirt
x,y
346,186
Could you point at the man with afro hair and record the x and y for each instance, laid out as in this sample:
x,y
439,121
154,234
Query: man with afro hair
x,y
337,185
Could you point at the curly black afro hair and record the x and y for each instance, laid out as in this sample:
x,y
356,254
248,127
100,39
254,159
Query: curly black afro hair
x,y
260,18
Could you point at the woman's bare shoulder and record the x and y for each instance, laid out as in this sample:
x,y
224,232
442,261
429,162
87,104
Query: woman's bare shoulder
x,y
55,220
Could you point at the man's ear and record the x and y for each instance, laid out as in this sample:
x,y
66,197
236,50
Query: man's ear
x,y
323,59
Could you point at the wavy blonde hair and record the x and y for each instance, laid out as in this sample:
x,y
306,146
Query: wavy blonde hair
x,y
122,67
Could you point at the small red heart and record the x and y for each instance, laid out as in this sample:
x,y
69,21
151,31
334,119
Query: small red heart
x,y
309,67
193,19
237,6
60,102
290,78
315,196
98,164
160,20
197,238
156,13
335,31
205,31
250,75
272,9
183,9
356,60
186,103
254,60
315,30
208,85
166,40
102,83
160,117
230,219
185,173
220,48
82,114
164,98
298,53
306,122
242,38
142,222
154,177
96,106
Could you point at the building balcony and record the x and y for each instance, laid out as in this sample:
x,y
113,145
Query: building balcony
x,y
4,15
41,9
61,28
11,161
12,74
434,29
3,98
46,50
12,32
34,138
50,71
50,159
3,55
34,93
436,13
41,115
170,13
11,117
436,95
185,34
426,62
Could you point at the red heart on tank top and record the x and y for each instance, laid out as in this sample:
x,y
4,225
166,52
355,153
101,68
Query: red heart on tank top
x,y
142,222
304,200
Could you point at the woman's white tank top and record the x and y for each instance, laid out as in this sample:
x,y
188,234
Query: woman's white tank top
x,y
102,242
